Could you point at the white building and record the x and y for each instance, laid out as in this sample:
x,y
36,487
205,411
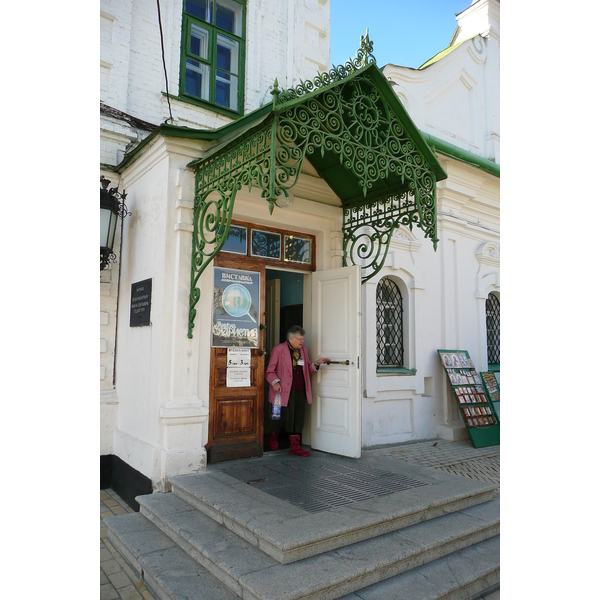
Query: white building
x,y
202,155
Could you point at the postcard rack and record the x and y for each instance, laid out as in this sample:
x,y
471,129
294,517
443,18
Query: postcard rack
x,y
478,414
492,389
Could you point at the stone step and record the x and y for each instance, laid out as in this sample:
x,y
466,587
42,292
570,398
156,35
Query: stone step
x,y
168,572
289,531
190,556
463,575
251,574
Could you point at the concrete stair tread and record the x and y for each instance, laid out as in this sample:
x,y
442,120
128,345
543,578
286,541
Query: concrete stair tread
x,y
288,533
461,575
254,575
167,570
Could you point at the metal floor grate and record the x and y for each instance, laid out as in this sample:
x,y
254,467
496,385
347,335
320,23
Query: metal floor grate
x,y
321,484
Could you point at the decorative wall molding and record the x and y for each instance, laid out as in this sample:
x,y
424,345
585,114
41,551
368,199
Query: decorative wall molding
x,y
488,253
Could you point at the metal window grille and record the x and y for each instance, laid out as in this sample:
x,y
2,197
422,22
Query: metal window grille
x,y
492,317
390,342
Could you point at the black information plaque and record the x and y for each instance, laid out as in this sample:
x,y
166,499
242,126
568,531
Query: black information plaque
x,y
141,300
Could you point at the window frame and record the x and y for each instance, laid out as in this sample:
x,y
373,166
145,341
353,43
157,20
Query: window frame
x,y
271,261
492,366
213,32
387,368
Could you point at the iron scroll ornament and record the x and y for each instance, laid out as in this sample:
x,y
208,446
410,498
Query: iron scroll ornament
x,y
364,57
341,113
218,179
368,229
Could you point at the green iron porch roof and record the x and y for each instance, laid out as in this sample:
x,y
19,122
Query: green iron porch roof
x,y
356,134
327,161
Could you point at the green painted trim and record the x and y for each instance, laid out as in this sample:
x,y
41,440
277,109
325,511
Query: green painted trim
x,y
395,371
105,167
494,367
164,130
440,55
242,127
463,155
186,21
437,57
195,134
130,157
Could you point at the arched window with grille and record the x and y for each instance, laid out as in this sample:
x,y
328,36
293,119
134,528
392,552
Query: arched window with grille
x,y
390,328
492,319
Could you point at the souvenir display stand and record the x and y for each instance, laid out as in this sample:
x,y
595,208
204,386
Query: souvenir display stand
x,y
478,414
492,389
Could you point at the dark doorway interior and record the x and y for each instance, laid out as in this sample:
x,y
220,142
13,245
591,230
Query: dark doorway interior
x,y
290,313
290,316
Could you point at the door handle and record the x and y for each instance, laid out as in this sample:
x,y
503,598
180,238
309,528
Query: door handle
x,y
261,326
260,352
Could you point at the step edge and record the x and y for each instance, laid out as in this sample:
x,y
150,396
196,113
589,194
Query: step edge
x,y
195,553
419,558
160,589
365,580
293,554
383,528
483,494
139,562
375,573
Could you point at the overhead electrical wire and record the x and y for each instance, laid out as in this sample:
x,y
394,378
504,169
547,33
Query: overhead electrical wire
x,y
162,46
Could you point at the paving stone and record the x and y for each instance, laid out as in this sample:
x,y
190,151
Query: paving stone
x,y
129,593
105,554
110,566
108,592
119,579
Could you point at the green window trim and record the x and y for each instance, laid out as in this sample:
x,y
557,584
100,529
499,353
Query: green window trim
x,y
203,104
212,62
395,371
494,367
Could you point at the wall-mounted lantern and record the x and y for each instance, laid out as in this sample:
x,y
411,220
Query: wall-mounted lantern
x,y
112,206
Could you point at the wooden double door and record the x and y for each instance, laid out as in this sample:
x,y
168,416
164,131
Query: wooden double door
x,y
236,413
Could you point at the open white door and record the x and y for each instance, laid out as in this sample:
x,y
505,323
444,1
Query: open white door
x,y
335,333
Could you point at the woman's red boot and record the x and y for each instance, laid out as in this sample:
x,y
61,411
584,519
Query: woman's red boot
x,y
295,446
273,443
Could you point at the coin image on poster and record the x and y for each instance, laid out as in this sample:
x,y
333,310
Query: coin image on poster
x,y
237,300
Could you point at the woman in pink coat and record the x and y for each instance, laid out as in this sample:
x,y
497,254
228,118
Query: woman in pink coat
x,y
289,372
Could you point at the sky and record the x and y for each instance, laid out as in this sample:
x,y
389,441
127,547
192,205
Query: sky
x,y
404,32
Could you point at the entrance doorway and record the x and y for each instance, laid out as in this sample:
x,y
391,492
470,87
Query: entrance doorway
x,y
284,308
282,288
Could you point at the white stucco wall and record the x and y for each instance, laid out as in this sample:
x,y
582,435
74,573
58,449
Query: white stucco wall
x,y
156,417
163,376
444,296
285,40
109,291
457,98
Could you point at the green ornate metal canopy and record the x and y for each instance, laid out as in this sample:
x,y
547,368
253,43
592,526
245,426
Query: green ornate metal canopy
x,y
358,137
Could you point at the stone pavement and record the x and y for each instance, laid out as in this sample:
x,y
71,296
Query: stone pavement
x,y
119,582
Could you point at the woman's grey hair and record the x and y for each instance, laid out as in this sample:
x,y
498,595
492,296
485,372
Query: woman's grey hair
x,y
295,330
